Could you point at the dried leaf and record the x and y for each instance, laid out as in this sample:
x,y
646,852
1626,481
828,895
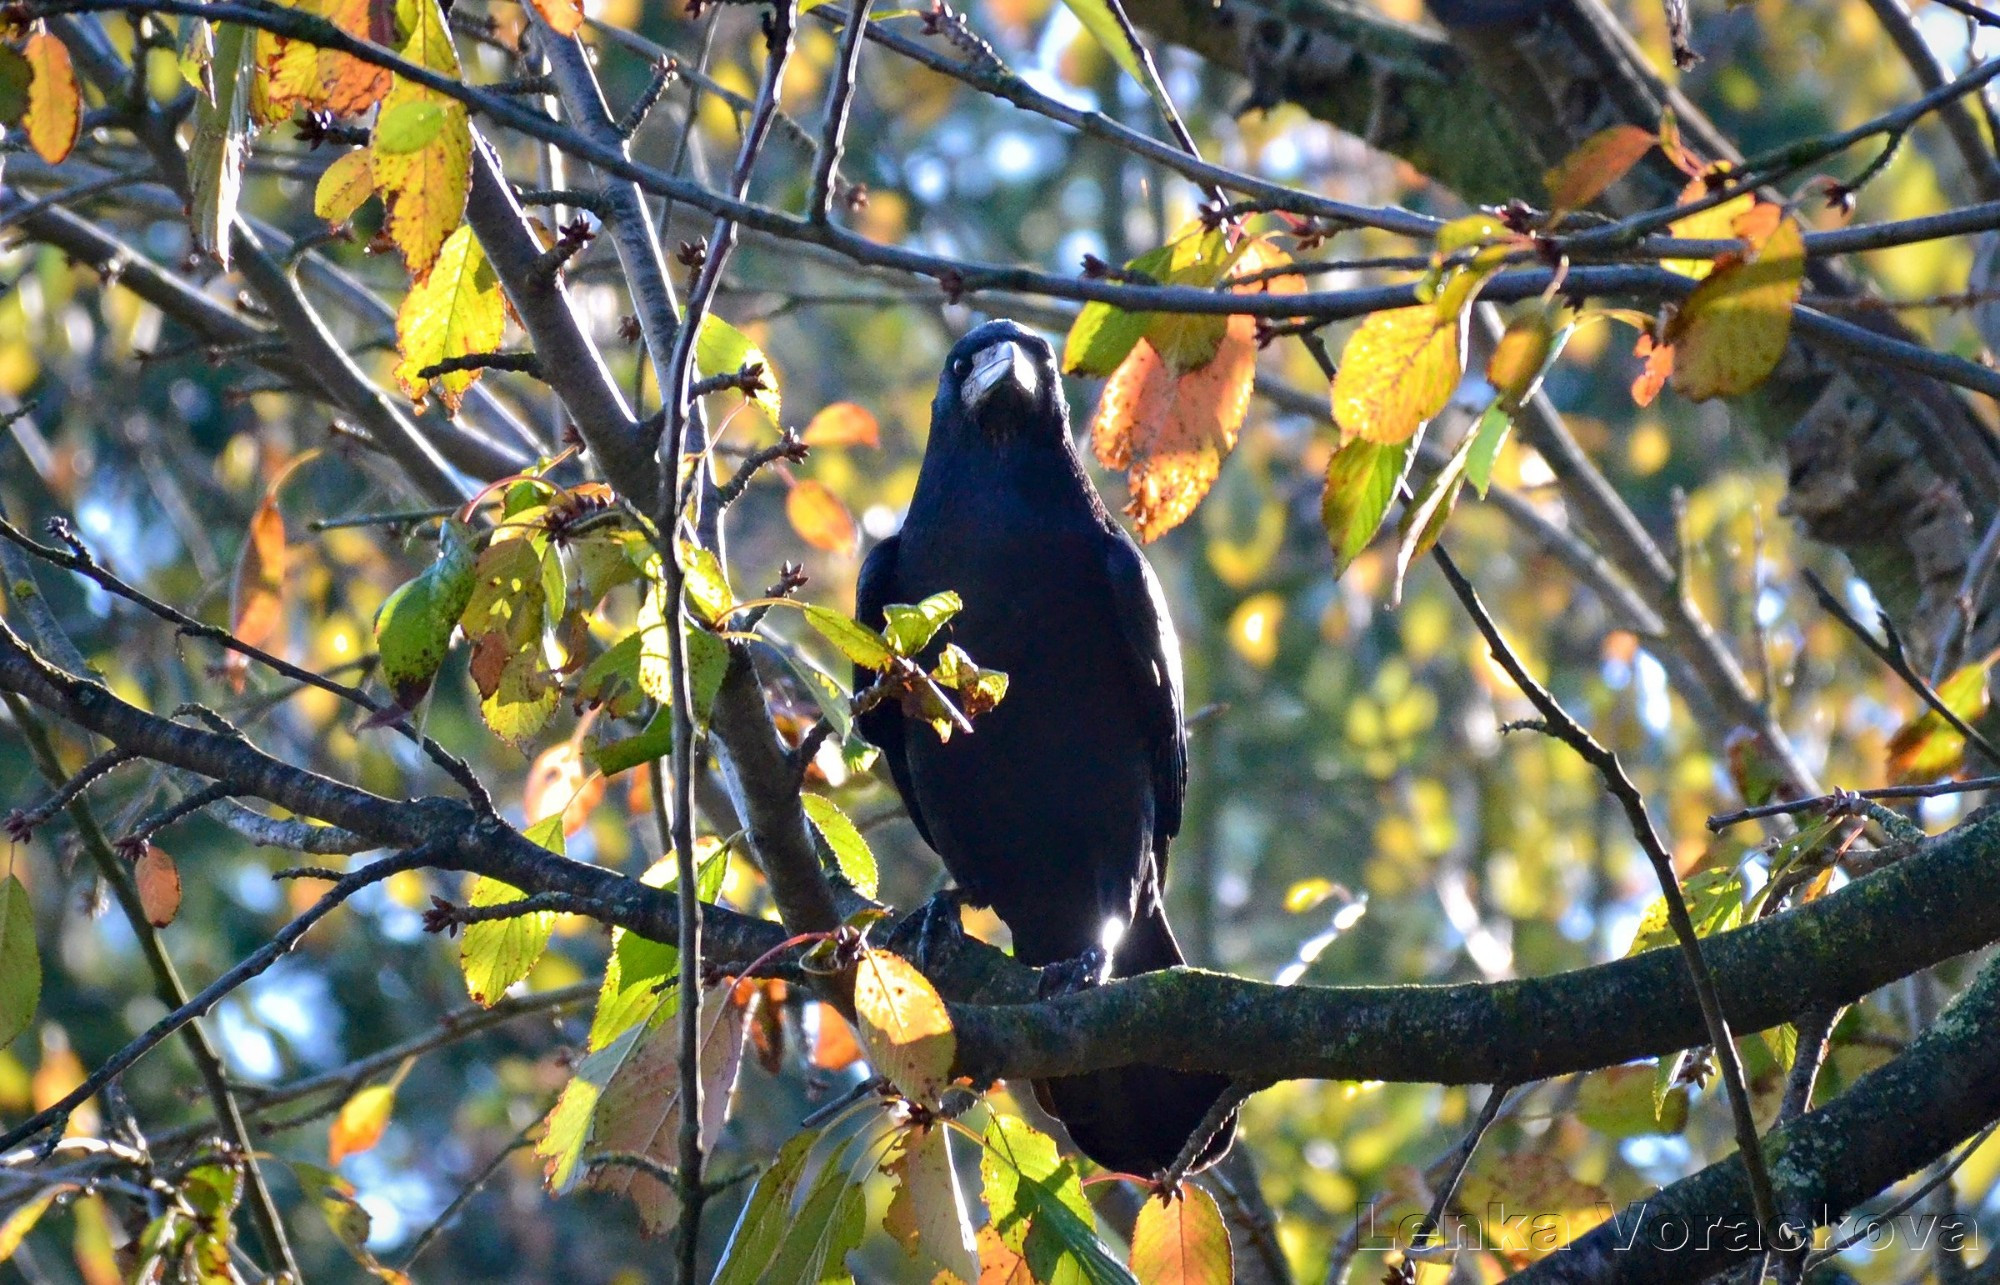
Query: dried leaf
x,y
159,883
54,117
1653,376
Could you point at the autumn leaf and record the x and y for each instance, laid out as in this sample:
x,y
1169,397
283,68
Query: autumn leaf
x,y
455,311
834,1046
559,781
1927,747
564,17
843,424
904,1026
927,1214
361,1122
159,884
347,85
257,590
1716,223
55,107
1397,371
819,517
1361,483
20,960
1179,1239
1730,333
1597,163
424,187
1516,365
1658,368
221,137
1171,432
344,185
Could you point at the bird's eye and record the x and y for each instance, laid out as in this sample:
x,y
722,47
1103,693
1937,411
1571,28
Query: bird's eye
x,y
961,368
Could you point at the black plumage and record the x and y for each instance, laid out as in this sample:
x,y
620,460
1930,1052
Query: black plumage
x,y
1058,808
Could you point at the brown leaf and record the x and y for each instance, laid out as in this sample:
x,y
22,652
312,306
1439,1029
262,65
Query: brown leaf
x,y
1597,163
159,882
55,107
843,424
819,517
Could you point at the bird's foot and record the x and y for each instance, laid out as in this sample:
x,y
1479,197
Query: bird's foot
x,y
1068,976
933,932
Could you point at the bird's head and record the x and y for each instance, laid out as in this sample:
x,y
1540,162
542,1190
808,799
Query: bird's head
x,y
1000,383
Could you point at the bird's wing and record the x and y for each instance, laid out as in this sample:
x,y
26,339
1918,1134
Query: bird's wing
x,y
883,727
1154,653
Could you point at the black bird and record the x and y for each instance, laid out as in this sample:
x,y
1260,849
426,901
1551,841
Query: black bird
x,y
1057,809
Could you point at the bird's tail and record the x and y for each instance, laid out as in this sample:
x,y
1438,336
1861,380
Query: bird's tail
x,y
1136,1119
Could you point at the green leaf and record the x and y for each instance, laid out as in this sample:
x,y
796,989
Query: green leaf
x,y
722,349
15,76
213,1190
765,1221
1103,26
1102,336
409,126
1424,518
707,656
1627,1102
640,969
1360,485
910,629
1715,904
857,642
20,961
828,1224
654,742
496,954
705,583
221,135
1038,1208
850,850
413,629
1487,440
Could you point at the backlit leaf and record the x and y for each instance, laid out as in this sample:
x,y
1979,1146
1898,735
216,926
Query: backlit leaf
x,y
1170,432
20,961
1487,439
722,349
1730,333
360,1122
813,1250
1397,371
1361,483
424,188
1518,359
1716,223
1105,29
257,589
1181,1240
54,116
499,952
819,518
850,849
21,1220
904,1026
347,85
1619,1102
909,627
456,311
159,884
1714,901
927,1214
221,140
834,1046
344,185
564,17
857,642
560,782
1597,163
1927,747
766,1218
1038,1208
409,125
843,424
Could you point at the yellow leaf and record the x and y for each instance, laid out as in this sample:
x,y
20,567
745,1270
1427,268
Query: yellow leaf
x,y
454,311
564,16
1180,1239
904,1026
1397,371
1597,163
1732,330
425,188
346,183
361,1121
843,424
55,108
1713,224
819,517
1562,1207
1518,358
287,75
18,1223
159,884
1927,747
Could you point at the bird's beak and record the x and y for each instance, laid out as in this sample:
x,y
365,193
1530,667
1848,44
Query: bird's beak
x,y
1005,363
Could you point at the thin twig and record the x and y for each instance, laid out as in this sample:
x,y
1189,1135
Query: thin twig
x,y
839,101
466,1193
1907,1203
1459,1160
1567,730
1822,802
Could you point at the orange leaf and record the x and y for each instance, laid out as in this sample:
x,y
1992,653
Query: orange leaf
x,y
1171,431
1733,329
348,86
55,107
1659,360
159,884
1397,371
257,593
819,517
1927,747
999,1262
904,1026
843,424
834,1048
361,1122
564,16
1181,1240
1597,163
559,782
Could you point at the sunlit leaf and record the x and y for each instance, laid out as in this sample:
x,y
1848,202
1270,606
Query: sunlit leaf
x,y
904,1026
1361,483
14,1228
927,1214
1516,364
344,185
54,116
565,17
257,589
360,1123
1619,1102
1658,368
1038,1208
1565,1208
765,1221
850,850
819,518
1180,1239
1597,163
1397,371
909,627
159,883
1714,901
835,1047
1927,747
20,961
1730,333
413,628
1716,223
456,311
857,642
347,85
424,188
842,424
813,1250
722,349
1487,439
221,140
499,952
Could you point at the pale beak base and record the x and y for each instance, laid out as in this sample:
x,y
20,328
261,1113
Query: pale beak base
x,y
1004,363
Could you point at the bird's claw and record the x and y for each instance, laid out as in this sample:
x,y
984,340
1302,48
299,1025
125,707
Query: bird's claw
x,y
932,933
1069,976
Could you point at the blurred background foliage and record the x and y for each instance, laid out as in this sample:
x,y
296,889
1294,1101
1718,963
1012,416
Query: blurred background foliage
x,y
1354,815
